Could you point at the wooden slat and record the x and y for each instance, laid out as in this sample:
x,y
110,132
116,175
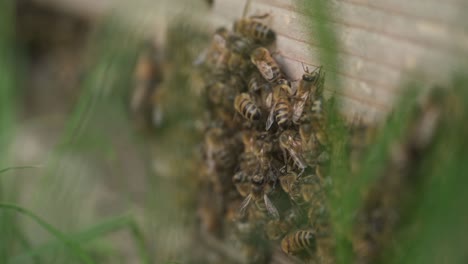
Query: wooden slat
x,y
442,12
382,43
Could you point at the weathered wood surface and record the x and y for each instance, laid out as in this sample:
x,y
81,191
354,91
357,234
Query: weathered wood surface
x,y
382,43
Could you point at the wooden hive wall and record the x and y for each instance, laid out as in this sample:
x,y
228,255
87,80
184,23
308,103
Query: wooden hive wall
x,y
381,43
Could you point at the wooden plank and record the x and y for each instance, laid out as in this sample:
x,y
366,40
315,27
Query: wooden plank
x,y
381,43
442,12
378,49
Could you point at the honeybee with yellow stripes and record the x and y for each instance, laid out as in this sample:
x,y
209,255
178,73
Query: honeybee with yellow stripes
x,y
266,65
256,82
242,183
213,55
244,105
259,195
290,143
276,228
308,89
281,109
240,45
299,241
253,29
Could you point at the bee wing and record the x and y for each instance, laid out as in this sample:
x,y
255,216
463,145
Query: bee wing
x,y
201,58
157,116
270,207
269,100
245,205
298,108
297,157
284,182
271,117
219,42
265,70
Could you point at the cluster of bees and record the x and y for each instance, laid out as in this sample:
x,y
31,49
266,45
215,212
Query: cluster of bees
x,y
262,175
265,150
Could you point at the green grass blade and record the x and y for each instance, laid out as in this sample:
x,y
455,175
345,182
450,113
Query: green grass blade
x,y
95,232
74,248
18,168
7,121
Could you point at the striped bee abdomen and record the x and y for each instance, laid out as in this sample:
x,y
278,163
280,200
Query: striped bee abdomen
x,y
298,241
246,107
282,112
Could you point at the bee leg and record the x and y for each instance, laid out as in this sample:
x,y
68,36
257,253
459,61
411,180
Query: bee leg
x,y
244,205
246,8
275,53
275,180
302,171
272,211
263,16
285,157
200,59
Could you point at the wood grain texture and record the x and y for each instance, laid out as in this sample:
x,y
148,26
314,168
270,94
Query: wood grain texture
x,y
381,43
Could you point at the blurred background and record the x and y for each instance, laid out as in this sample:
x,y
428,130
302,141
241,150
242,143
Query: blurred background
x,y
99,166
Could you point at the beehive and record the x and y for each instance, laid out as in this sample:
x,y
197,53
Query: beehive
x,y
380,43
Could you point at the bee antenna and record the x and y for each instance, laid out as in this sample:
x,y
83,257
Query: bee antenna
x,y
246,8
319,68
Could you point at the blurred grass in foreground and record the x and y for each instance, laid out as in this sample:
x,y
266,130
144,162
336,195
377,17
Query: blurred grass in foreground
x,y
434,223
111,63
8,230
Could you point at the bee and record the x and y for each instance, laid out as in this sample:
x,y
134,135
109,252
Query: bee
x,y
317,215
281,109
258,194
287,181
314,123
248,162
265,64
304,190
299,241
275,229
213,54
219,151
258,142
312,81
307,89
242,183
318,121
311,188
235,62
232,55
311,148
290,185
221,59
290,143
245,106
253,29
221,94
239,44
147,87
256,82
